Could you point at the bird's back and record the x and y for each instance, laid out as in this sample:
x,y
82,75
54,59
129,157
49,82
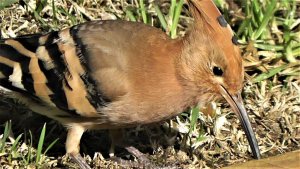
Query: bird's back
x,y
83,69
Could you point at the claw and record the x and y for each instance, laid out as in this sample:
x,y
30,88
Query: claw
x,y
127,163
142,158
77,158
143,161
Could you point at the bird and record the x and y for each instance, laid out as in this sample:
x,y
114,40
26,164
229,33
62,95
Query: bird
x,y
114,74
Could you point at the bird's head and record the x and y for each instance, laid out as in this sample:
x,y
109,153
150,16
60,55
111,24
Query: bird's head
x,y
210,64
205,67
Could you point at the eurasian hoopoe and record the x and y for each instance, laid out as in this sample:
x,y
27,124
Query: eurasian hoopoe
x,y
116,74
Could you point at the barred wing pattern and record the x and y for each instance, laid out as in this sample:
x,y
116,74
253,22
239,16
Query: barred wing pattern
x,y
51,68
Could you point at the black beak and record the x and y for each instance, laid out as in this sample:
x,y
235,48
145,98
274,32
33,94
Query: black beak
x,y
237,105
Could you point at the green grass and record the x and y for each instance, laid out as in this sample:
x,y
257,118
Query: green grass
x,y
7,129
6,3
273,29
168,22
11,148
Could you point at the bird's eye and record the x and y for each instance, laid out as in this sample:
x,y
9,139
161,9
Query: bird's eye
x,y
217,71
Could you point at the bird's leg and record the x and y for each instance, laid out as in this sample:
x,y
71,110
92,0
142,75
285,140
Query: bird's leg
x,y
117,138
73,145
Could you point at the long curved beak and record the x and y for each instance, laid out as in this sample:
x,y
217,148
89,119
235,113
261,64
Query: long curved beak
x,y
237,105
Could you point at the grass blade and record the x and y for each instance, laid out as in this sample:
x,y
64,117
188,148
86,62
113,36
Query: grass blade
x,y
50,146
269,14
176,19
130,15
161,17
14,151
40,145
269,74
5,136
194,118
143,11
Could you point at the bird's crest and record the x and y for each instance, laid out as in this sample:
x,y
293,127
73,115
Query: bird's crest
x,y
209,20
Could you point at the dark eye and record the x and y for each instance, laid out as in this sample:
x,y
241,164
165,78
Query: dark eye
x,y
217,71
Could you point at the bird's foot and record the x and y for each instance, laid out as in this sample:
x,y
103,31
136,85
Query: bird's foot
x,y
142,158
78,159
127,163
143,161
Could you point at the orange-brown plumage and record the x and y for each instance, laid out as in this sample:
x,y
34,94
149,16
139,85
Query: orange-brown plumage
x,y
116,74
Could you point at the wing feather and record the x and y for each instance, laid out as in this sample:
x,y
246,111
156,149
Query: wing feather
x,y
49,68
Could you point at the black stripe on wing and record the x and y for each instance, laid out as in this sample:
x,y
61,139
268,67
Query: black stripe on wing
x,y
6,70
55,54
95,97
54,83
30,42
12,54
56,75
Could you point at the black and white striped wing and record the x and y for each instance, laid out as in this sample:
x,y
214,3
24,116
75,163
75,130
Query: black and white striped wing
x,y
51,68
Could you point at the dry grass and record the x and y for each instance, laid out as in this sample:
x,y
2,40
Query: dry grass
x,y
273,103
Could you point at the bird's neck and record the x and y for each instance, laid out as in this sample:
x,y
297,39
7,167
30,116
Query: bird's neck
x,y
189,66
